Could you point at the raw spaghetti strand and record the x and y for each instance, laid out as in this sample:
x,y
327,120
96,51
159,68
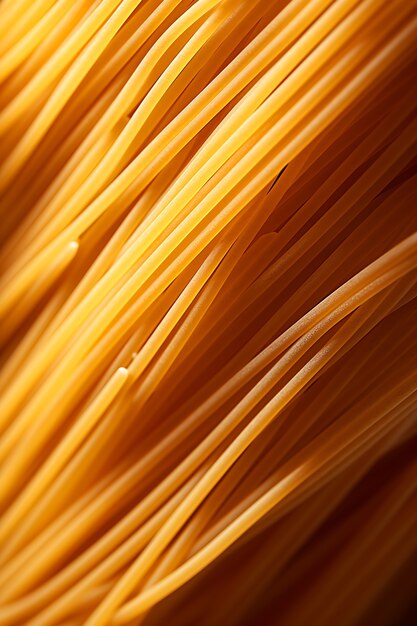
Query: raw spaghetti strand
x,y
208,285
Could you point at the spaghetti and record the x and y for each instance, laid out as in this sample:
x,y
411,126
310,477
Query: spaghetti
x,y
208,300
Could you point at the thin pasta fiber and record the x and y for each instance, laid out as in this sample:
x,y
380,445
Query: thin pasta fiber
x,y
208,312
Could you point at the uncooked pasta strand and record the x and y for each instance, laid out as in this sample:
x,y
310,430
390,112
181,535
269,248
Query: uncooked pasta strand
x,y
208,285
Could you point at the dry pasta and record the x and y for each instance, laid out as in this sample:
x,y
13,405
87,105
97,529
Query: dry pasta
x,y
208,312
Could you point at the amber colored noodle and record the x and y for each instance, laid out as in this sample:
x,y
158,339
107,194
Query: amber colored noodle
x,y
275,51
323,194
141,360
27,44
31,13
248,72
209,279
41,124
127,583
145,29
285,445
60,60
279,491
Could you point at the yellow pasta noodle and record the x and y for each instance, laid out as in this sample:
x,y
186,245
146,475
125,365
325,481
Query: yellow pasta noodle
x,y
208,312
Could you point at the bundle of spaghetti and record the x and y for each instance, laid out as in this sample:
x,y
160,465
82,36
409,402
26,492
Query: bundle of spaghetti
x,y
208,381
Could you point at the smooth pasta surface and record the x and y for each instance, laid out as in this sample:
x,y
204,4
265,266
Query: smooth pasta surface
x,y
208,312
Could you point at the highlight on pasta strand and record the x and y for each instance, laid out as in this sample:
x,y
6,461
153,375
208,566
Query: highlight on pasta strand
x,y
208,379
